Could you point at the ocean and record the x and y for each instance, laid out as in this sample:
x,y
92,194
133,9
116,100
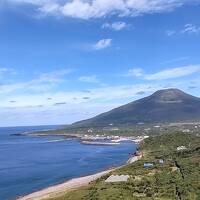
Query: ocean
x,y
28,164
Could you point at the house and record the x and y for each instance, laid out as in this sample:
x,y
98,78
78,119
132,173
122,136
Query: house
x,y
117,178
161,161
90,131
147,165
186,131
181,148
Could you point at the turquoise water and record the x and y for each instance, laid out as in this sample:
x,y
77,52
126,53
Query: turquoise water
x,y
28,164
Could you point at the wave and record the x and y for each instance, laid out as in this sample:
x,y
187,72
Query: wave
x,y
59,140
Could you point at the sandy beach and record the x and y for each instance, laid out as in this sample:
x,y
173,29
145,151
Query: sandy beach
x,y
64,187
71,184
134,159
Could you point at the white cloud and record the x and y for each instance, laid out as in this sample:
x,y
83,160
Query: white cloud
x,y
51,115
34,2
86,9
89,79
137,72
175,60
170,32
191,29
166,74
36,108
29,108
102,44
43,82
50,8
117,26
95,95
188,29
3,70
54,76
6,71
173,73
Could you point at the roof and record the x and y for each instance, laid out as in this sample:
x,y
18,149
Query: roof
x,y
117,178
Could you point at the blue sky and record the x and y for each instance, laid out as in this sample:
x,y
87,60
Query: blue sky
x,y
66,60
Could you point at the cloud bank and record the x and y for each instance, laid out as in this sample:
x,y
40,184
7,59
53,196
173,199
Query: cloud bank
x,y
171,73
87,9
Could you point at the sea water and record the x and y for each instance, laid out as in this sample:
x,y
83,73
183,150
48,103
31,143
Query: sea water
x,y
28,164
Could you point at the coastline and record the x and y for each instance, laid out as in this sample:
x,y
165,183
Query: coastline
x,y
69,185
75,183
72,184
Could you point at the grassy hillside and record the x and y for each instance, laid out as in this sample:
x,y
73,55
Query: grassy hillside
x,y
176,179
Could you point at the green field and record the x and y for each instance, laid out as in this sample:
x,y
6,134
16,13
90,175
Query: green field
x,y
178,178
134,130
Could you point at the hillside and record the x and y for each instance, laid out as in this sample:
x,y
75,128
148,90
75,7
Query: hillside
x,y
176,178
170,105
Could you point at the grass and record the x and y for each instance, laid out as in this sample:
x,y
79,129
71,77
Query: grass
x,y
176,179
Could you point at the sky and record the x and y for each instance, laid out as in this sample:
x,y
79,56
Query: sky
x,y
66,60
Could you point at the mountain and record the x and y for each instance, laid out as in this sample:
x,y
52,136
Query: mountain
x,y
170,105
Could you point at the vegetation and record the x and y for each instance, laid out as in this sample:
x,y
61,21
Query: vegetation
x,y
134,130
175,179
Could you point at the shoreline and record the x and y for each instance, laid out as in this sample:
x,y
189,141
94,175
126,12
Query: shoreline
x,y
72,184
67,186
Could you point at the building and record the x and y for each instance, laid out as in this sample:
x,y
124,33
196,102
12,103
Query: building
x,y
147,165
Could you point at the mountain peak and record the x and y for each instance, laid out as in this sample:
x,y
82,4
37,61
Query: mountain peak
x,y
170,91
171,94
